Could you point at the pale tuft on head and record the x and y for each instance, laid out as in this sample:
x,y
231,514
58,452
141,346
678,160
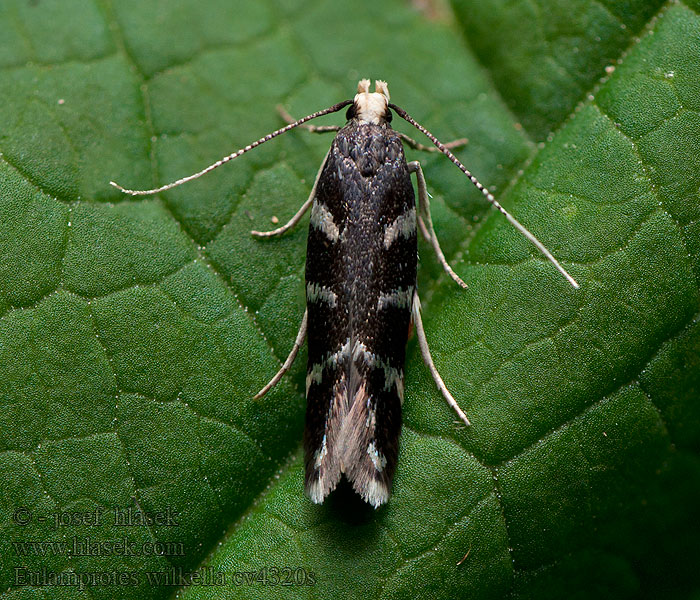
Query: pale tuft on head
x,y
381,87
371,107
363,86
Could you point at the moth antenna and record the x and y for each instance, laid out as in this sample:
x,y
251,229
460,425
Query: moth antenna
x,y
236,154
488,195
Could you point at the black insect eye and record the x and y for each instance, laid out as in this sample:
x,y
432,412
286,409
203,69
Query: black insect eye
x,y
388,115
351,112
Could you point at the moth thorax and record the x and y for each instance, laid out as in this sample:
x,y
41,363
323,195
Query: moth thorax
x,y
371,107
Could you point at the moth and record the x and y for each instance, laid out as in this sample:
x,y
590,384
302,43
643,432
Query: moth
x,y
361,295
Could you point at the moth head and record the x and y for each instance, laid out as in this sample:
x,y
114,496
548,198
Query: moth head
x,y
371,107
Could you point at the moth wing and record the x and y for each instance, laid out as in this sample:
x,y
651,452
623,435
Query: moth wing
x,y
361,262
324,422
369,438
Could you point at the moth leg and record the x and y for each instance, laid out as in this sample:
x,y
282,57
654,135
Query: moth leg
x,y
425,352
423,148
300,213
409,140
312,128
425,222
290,359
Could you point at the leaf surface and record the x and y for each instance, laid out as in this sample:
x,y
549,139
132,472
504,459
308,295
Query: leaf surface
x,y
134,332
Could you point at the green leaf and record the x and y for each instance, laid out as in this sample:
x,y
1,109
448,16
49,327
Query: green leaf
x,y
135,331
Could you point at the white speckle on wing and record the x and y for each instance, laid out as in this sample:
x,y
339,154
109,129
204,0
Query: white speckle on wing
x,y
322,219
404,225
316,291
378,459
